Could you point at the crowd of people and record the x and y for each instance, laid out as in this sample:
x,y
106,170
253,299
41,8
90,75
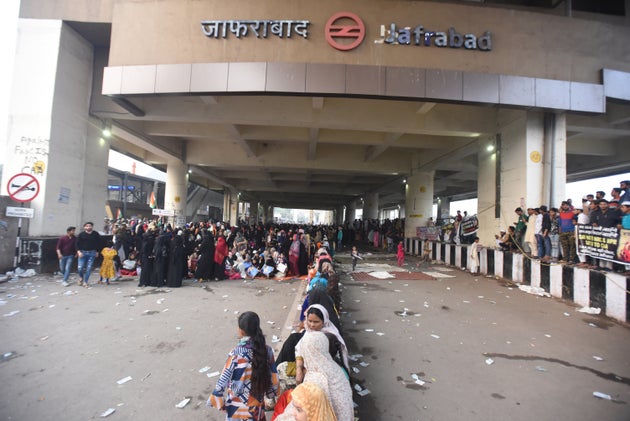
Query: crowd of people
x,y
309,379
161,254
549,234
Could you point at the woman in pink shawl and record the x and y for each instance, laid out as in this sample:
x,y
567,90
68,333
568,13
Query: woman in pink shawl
x,y
294,256
220,253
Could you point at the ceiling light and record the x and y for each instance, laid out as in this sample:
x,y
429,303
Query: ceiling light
x,y
490,148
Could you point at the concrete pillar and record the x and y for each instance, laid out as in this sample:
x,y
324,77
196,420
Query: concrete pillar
x,y
233,208
418,201
351,211
444,207
226,205
554,159
176,191
370,206
253,213
531,155
488,191
339,215
50,134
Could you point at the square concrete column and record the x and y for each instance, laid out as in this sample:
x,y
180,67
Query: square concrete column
x,y
418,201
50,133
370,206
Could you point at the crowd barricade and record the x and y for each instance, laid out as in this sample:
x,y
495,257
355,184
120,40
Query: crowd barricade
x,y
605,290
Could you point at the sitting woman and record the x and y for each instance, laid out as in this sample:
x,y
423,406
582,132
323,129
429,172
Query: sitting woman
x,y
319,368
308,402
317,320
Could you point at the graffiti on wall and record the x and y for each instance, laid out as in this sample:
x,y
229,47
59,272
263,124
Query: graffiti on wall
x,y
32,154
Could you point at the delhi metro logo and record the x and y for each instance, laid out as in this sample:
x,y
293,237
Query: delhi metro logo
x,y
345,31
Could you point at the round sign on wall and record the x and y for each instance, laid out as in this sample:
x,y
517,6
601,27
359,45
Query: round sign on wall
x,y
345,26
23,187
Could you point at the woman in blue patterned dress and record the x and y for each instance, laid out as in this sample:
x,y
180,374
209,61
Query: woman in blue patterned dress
x,y
248,375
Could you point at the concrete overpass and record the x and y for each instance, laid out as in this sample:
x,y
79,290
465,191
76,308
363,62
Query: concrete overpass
x,y
295,123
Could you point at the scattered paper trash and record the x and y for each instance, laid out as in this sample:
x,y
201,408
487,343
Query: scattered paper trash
x,y
363,392
204,369
213,374
489,361
356,370
108,412
541,369
602,395
178,328
380,333
275,339
13,313
598,358
125,380
566,314
433,335
590,310
364,364
183,403
160,301
357,387
592,325
534,290
369,330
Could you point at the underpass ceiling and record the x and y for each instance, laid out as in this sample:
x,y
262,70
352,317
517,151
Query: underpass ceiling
x,y
316,152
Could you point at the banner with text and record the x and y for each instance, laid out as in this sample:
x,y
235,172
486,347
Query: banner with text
x,y
609,244
428,233
470,225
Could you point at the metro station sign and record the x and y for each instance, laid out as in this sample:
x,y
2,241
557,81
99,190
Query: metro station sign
x,y
345,31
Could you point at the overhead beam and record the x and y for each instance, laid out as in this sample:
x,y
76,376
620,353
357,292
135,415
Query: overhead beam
x,y
144,142
374,151
244,144
426,107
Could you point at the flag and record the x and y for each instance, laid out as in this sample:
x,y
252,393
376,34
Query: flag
x,y
152,201
118,213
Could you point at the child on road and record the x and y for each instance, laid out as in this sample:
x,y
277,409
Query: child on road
x,y
355,256
400,254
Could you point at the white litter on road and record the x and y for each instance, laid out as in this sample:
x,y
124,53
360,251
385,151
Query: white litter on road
x,y
213,374
438,275
125,380
435,336
381,275
598,358
13,313
108,412
534,290
590,310
602,395
489,361
204,369
182,403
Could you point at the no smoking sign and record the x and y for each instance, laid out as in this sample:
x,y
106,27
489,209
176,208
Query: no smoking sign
x,y
23,187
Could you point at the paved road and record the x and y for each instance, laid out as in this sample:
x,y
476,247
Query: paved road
x,y
63,354
486,351
67,352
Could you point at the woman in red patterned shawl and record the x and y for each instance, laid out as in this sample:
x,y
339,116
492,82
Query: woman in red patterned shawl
x,y
220,254
294,256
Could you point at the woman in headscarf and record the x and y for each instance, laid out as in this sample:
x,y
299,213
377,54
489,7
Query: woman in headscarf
x,y
303,256
220,254
324,372
294,256
177,262
147,258
205,264
308,403
318,320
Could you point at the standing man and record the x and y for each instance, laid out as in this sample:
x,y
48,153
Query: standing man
x,y
88,246
567,233
66,250
340,239
519,228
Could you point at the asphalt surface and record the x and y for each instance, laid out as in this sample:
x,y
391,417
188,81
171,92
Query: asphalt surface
x,y
457,347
